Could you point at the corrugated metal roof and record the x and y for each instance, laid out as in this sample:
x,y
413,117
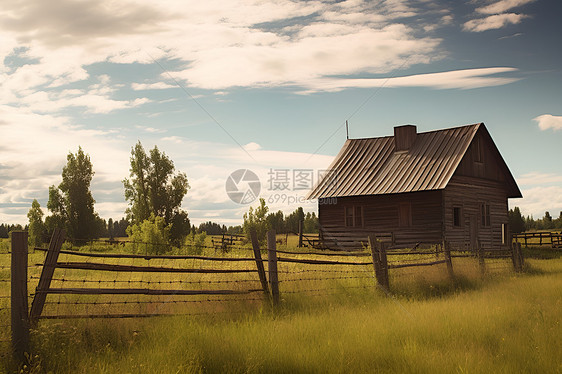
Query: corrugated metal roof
x,y
372,167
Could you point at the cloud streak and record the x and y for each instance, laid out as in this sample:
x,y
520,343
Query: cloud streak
x,y
496,21
459,79
497,16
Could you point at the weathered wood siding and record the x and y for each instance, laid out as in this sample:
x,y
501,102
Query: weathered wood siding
x,y
481,161
381,215
479,179
468,193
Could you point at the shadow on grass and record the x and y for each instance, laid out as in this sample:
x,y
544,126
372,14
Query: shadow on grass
x,y
423,289
542,253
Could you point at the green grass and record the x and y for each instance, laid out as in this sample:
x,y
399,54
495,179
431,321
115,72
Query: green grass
x,y
507,325
500,322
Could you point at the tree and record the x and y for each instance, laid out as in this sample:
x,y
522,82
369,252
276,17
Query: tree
x,y
71,203
310,223
179,228
211,228
516,220
151,235
110,228
3,231
293,219
547,221
36,225
276,221
256,219
154,188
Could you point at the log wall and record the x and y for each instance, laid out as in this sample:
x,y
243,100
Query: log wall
x,y
381,216
468,193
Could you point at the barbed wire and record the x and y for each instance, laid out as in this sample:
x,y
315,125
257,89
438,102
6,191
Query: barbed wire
x,y
327,289
323,279
141,281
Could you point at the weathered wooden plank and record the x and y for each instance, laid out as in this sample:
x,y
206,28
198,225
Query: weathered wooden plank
x,y
398,266
147,269
272,267
320,262
19,315
259,261
149,257
47,273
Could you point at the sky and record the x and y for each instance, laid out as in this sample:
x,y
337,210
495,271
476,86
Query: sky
x,y
221,86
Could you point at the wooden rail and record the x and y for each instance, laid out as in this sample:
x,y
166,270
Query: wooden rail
x,y
150,257
145,269
552,238
52,263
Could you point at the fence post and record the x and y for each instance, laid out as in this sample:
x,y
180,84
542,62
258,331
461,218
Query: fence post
x,y
521,260
449,261
376,258
19,312
514,256
480,255
300,233
272,266
46,274
378,252
259,261
384,266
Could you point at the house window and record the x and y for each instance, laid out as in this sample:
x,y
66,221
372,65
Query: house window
x,y
354,216
456,216
358,216
485,214
405,215
349,216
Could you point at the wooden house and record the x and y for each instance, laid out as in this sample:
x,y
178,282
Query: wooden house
x,y
412,187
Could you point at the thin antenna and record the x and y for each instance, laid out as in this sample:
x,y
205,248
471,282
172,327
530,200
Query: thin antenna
x,y
346,130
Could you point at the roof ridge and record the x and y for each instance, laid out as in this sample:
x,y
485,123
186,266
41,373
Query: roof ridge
x,y
421,133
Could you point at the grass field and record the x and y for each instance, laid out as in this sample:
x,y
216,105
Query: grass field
x,y
504,322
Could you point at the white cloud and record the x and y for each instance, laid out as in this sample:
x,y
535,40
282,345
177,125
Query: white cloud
x,y
502,6
537,200
541,191
495,21
329,39
462,79
151,130
151,86
538,178
46,139
252,146
548,121
173,139
34,149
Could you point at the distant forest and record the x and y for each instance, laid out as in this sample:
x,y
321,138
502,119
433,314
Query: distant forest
x,y
519,223
290,224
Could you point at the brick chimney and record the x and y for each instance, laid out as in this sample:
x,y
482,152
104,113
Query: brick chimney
x,y
404,137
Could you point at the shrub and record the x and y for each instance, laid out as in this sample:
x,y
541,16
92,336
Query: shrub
x,y
151,236
196,243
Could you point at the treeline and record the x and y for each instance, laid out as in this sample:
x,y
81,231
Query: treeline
x,y
290,224
5,229
519,223
259,220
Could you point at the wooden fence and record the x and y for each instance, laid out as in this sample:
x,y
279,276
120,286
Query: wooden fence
x,y
552,239
70,284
